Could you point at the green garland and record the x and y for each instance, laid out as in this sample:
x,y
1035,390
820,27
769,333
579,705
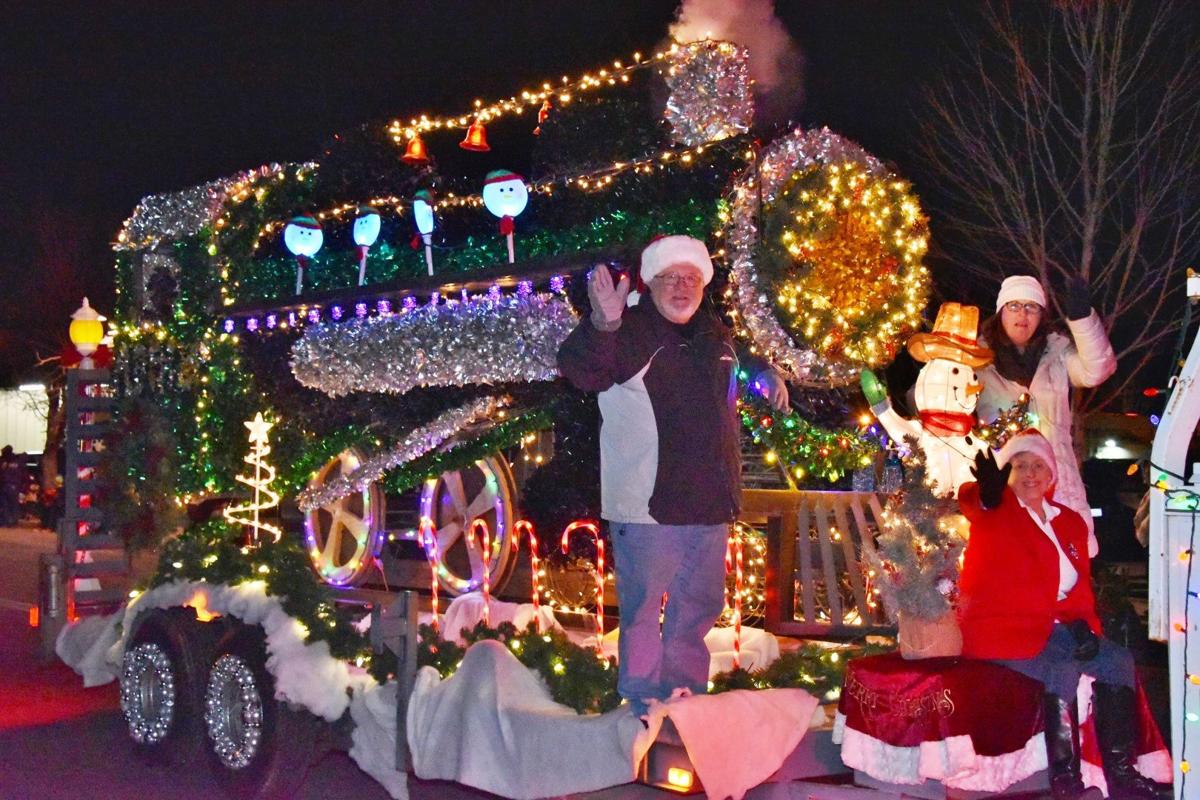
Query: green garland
x,y
579,678
807,451
213,552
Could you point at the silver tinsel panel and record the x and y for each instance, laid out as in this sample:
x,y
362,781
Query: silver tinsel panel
x,y
710,92
488,339
416,444
777,163
170,216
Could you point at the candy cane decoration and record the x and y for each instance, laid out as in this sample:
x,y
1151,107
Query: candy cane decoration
x,y
734,560
429,542
591,528
480,527
534,564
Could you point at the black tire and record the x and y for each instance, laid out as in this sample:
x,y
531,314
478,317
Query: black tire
x,y
163,677
273,766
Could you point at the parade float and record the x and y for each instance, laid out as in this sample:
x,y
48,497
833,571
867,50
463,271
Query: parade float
x,y
335,380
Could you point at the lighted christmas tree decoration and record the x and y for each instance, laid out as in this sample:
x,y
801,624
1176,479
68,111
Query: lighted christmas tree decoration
x,y
366,231
914,565
264,474
303,238
505,195
424,220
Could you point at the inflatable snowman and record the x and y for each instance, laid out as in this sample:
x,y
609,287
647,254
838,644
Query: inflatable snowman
x,y
946,393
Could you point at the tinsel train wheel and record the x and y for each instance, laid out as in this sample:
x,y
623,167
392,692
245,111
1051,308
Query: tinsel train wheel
x,y
163,674
453,500
344,536
257,747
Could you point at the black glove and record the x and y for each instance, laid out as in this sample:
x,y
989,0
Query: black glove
x,y
1087,643
991,478
1077,302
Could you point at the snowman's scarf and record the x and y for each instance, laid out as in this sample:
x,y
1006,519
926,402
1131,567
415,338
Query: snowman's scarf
x,y
947,423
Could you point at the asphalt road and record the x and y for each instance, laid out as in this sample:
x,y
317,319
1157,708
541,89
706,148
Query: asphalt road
x,y
59,740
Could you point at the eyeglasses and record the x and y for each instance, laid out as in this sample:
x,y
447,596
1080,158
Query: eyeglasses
x,y
672,279
1016,307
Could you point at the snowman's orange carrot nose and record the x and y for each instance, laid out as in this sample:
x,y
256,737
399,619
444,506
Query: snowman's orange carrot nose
x,y
974,388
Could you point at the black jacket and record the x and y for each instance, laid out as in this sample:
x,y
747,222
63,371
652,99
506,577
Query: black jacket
x,y
669,440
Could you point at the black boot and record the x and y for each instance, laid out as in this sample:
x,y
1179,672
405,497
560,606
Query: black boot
x,y
1062,751
1116,727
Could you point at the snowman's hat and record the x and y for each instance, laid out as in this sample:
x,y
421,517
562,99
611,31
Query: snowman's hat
x,y
954,337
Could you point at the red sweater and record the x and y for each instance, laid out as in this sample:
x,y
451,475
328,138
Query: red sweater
x,y
1008,592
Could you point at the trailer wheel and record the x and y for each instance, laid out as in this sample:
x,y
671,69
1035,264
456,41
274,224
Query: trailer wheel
x,y
163,675
344,537
258,748
452,501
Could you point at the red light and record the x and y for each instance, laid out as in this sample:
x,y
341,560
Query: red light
x,y
1151,392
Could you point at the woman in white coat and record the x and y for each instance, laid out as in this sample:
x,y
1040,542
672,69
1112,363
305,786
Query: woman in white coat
x,y
1031,358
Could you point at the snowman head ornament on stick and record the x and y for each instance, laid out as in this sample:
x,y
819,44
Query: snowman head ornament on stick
x,y
366,231
946,394
303,238
423,220
505,195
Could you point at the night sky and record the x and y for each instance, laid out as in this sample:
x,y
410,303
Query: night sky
x,y
104,103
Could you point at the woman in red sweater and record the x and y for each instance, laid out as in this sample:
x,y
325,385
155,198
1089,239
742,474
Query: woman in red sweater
x,y
1026,602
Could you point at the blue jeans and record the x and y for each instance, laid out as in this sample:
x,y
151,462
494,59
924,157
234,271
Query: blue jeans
x,y
1057,668
687,562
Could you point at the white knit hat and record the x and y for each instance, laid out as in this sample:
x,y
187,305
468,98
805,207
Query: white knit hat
x,y
1021,287
1029,441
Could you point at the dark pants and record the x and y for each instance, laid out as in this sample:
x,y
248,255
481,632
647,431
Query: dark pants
x,y
10,506
1058,670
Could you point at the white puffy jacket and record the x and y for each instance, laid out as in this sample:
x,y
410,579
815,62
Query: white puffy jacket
x,y
1087,361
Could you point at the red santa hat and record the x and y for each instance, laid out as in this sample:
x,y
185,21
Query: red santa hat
x,y
1029,441
667,251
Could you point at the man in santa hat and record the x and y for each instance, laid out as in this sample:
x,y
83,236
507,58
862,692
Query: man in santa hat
x,y
670,466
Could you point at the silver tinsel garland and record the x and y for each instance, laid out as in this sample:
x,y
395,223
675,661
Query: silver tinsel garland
x,y
416,444
710,92
777,163
488,339
171,216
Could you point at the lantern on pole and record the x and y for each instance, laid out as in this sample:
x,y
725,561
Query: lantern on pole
x,y
423,219
366,231
505,195
303,239
86,332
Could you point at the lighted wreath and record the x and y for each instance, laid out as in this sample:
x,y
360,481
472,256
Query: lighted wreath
x,y
842,255
826,253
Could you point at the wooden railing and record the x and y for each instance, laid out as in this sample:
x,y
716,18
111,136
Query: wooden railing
x,y
818,579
